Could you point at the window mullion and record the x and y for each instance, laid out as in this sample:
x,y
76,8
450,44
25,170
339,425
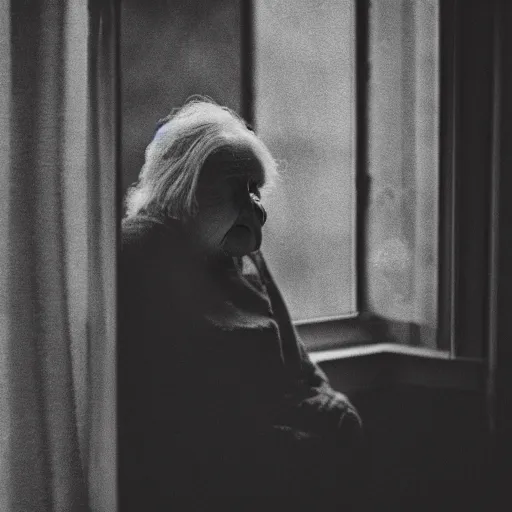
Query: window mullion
x,y
362,176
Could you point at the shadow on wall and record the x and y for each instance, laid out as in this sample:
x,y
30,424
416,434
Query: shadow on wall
x,y
171,50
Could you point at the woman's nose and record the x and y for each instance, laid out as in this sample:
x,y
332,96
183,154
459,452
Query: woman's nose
x,y
261,214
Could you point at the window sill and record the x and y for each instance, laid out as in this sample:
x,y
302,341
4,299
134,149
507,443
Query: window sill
x,y
386,364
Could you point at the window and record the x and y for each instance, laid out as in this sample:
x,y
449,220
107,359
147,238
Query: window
x,y
420,136
305,112
345,90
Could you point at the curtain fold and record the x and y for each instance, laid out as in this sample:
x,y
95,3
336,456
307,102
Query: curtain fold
x,y
58,162
103,154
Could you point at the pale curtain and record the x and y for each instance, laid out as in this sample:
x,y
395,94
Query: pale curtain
x,y
59,152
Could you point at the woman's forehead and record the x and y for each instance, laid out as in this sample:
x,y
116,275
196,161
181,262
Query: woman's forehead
x,y
236,162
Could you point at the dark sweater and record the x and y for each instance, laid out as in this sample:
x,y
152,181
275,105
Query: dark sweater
x,y
217,395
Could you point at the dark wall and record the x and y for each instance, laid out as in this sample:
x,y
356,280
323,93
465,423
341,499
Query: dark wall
x,y
426,446
426,426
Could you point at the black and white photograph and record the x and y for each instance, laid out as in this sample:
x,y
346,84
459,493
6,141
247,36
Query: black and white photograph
x,y
255,255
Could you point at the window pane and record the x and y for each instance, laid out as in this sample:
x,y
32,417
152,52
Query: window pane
x,y
304,111
403,164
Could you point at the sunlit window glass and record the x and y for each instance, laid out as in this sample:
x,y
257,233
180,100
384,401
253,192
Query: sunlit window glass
x,y
304,111
403,161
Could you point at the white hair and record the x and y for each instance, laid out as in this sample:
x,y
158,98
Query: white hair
x,y
167,183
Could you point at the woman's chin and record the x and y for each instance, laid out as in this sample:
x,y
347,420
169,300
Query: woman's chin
x,y
240,241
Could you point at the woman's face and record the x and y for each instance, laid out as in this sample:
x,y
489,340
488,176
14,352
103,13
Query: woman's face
x,y
229,217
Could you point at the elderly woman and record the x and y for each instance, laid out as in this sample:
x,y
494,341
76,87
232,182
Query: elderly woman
x,y
217,395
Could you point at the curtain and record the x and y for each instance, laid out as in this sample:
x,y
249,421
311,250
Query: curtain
x,y
59,158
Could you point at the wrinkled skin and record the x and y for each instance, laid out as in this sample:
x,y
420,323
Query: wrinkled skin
x,y
230,215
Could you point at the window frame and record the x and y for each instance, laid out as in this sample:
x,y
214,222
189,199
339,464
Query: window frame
x,y
465,156
500,324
